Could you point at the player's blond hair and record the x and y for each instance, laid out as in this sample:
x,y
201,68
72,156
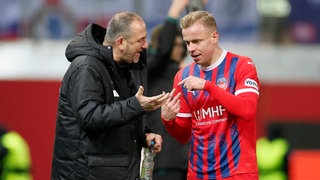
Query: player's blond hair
x,y
203,17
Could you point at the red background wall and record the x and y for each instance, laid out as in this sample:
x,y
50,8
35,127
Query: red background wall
x,y
289,103
29,107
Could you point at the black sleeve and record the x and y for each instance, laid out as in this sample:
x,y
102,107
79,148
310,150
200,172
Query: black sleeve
x,y
87,97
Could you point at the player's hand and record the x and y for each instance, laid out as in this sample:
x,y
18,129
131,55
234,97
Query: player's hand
x,y
157,139
171,108
193,83
151,103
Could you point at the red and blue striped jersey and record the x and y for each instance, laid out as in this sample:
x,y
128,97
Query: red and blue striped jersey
x,y
219,120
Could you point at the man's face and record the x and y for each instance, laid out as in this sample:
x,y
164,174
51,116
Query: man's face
x,y
135,44
200,43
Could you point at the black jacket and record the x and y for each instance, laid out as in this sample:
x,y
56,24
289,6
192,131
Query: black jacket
x,y
99,129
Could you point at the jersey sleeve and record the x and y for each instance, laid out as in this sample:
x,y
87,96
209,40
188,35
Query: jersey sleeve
x,y
243,102
246,77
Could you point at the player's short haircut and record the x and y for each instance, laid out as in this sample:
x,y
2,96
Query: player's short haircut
x,y
203,17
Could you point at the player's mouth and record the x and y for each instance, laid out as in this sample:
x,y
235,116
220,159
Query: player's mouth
x,y
196,57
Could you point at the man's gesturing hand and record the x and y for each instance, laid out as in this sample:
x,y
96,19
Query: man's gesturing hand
x,y
151,103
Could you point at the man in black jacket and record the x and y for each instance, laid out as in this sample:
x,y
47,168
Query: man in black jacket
x,y
99,128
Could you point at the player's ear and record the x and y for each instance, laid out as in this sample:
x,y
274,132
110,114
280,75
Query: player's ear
x,y
215,37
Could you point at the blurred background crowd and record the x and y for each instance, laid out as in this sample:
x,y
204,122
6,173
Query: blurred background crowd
x,y
281,36
276,21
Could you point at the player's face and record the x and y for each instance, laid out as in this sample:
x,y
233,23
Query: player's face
x,y
135,44
200,43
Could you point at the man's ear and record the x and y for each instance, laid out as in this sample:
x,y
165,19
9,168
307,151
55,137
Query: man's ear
x,y
121,43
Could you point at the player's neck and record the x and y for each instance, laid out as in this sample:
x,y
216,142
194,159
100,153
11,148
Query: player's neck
x,y
217,52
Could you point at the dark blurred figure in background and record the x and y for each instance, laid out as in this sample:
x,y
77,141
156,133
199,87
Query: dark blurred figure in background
x,y
272,155
166,55
52,21
15,159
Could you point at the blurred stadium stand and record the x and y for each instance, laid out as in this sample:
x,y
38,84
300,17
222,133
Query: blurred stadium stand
x,y
34,35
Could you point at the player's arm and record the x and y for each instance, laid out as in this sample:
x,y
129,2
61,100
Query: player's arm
x,y
244,102
179,128
177,123
243,105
